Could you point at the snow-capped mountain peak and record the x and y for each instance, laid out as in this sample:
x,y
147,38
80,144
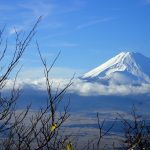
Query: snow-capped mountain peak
x,y
126,67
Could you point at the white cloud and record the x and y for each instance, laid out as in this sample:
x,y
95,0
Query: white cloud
x,y
56,73
87,89
147,1
63,44
93,22
17,29
38,8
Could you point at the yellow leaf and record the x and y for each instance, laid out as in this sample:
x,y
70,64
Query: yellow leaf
x,y
53,127
69,146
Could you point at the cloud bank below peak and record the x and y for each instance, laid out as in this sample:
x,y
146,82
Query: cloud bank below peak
x,y
84,88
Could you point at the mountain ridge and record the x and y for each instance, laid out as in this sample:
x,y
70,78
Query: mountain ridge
x,y
124,68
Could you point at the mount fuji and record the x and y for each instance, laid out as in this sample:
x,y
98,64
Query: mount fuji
x,y
125,68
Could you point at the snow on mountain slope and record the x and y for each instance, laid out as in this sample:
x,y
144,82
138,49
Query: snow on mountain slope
x,y
125,68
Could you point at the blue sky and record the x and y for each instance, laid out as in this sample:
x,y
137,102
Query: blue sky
x,y
88,32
